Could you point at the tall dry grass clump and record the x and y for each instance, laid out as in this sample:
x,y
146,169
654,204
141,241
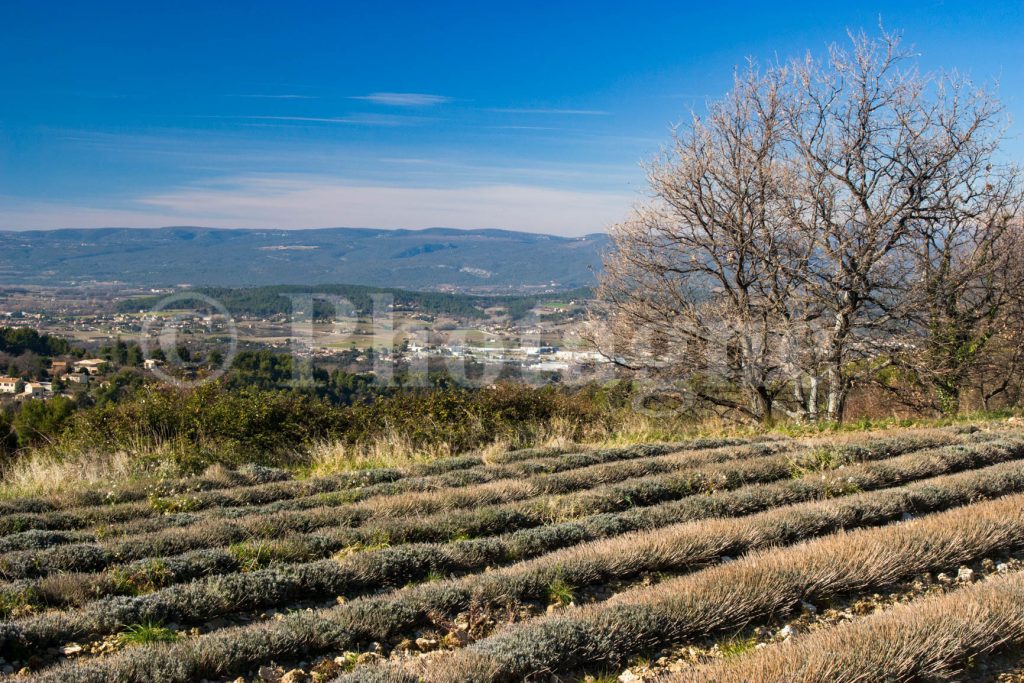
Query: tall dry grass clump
x,y
395,448
53,472
392,449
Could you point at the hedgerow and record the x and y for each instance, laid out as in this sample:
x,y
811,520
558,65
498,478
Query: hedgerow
x,y
607,454
36,539
222,424
343,488
129,491
485,521
157,504
86,557
340,489
194,533
595,561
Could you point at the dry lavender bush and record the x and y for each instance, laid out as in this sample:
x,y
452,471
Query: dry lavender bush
x,y
933,639
529,563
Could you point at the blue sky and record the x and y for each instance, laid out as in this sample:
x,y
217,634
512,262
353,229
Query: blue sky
x,y
528,116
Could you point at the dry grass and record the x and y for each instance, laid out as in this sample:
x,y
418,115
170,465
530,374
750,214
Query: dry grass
x,y
57,469
49,473
394,449
629,428
632,427
930,639
635,427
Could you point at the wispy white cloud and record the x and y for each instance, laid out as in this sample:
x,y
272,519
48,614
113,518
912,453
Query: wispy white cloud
x,y
406,160
279,97
350,119
404,99
563,112
524,128
303,201
199,153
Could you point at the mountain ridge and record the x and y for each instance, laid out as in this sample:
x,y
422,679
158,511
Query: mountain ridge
x,y
430,258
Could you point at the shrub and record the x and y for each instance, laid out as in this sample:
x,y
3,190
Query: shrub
x,y
560,592
17,601
215,424
144,634
261,553
141,577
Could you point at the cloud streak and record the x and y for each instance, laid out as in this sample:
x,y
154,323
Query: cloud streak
x,y
557,112
305,201
404,99
351,119
279,97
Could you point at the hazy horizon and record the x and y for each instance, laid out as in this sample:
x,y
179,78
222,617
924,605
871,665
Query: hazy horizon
x,y
271,228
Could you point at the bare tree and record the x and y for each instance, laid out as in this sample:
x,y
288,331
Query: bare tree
x,y
878,146
823,221
968,277
692,286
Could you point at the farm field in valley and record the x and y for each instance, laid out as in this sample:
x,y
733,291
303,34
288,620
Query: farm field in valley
x,y
714,559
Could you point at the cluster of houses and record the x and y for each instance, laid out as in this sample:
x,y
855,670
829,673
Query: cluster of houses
x,y
536,358
78,372
22,389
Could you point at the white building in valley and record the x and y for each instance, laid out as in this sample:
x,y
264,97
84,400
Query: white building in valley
x,y
38,389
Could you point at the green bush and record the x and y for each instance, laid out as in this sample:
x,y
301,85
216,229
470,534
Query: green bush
x,y
215,423
39,422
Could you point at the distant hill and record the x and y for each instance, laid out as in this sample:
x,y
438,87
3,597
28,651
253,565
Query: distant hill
x,y
275,300
435,258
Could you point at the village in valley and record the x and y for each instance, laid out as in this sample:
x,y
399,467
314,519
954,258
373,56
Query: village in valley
x,y
61,373
105,337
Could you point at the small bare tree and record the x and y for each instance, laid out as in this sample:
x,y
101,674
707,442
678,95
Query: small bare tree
x,y
968,277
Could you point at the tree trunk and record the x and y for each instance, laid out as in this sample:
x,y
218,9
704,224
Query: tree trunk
x,y
765,405
812,399
837,390
835,357
801,401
